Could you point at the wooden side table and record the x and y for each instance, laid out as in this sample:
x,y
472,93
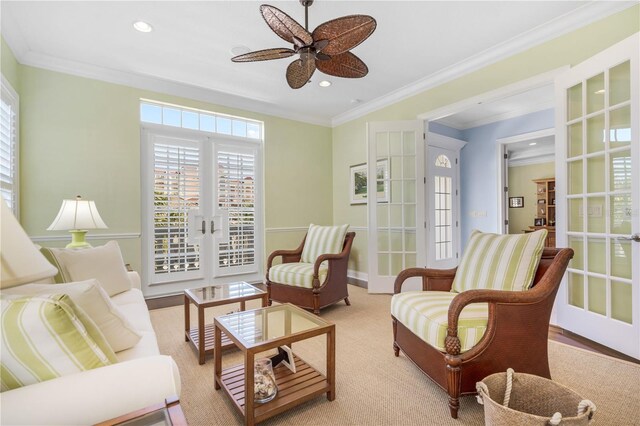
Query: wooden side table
x,y
168,413
207,297
259,330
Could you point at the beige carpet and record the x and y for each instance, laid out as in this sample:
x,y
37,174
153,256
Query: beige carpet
x,y
376,388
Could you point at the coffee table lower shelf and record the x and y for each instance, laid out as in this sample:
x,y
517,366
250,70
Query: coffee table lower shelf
x,y
293,388
193,337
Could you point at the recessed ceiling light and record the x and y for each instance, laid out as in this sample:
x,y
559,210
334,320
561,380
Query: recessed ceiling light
x,y
142,26
356,101
239,50
532,143
324,83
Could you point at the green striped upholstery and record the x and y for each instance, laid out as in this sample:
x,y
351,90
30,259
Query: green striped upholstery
x,y
323,240
43,338
499,262
296,274
425,314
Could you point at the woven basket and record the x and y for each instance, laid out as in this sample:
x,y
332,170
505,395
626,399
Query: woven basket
x,y
528,400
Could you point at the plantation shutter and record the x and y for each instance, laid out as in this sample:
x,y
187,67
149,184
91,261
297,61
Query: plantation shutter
x,y
236,192
8,148
176,190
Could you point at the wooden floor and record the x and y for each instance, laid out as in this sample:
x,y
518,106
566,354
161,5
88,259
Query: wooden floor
x,y
555,333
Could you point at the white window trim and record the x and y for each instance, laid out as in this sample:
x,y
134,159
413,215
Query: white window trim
x,y
11,97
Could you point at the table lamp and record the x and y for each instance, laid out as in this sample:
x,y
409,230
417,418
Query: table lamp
x,y
20,260
77,216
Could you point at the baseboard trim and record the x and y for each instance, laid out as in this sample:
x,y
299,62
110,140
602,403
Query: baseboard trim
x,y
357,278
589,344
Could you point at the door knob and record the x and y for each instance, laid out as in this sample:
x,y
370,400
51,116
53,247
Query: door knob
x,y
634,237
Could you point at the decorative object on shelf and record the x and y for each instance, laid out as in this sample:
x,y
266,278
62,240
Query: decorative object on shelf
x,y
516,202
539,221
77,216
21,262
285,356
326,48
541,201
358,182
265,388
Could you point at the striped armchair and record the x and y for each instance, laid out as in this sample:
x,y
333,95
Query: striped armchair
x,y
314,275
489,314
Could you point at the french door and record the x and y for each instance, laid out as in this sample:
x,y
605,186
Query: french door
x,y
396,207
201,209
598,172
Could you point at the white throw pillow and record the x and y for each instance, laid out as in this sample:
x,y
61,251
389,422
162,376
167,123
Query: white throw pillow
x,y
93,300
103,263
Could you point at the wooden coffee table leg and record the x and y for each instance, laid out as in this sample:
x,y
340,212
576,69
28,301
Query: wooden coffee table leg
x,y
249,419
217,357
331,363
187,319
200,335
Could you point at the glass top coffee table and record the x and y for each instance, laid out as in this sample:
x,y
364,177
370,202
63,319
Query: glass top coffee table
x,y
260,330
207,297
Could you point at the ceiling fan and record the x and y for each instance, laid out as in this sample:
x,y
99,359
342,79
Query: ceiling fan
x,y
326,48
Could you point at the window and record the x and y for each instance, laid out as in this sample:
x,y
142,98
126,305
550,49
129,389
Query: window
x,y
202,205
9,108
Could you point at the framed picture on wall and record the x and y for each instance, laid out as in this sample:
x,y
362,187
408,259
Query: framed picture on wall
x,y
516,202
358,182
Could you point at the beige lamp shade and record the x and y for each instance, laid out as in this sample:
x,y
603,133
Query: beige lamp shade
x,y
77,214
21,261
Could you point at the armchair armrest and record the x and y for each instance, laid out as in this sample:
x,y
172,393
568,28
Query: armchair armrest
x,y
330,258
288,256
432,279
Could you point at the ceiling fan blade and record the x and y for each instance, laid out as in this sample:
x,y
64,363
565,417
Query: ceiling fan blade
x,y
285,26
344,33
300,71
264,55
346,65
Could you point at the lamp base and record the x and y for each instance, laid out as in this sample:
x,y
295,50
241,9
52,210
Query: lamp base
x,y
77,239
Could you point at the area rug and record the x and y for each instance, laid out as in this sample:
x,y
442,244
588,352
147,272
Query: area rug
x,y
373,387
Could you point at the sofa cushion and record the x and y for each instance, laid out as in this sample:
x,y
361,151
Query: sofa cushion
x,y
94,301
425,314
323,240
296,274
131,303
44,338
103,263
499,262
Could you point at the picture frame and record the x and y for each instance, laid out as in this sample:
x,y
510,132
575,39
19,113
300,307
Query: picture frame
x,y
288,361
516,202
358,182
539,221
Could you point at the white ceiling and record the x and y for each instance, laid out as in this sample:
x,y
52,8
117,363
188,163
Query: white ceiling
x,y
416,42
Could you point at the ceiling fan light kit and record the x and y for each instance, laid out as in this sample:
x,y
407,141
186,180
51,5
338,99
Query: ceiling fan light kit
x,y
327,48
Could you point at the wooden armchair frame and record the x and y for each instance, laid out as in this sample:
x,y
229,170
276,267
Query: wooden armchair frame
x,y
321,295
516,335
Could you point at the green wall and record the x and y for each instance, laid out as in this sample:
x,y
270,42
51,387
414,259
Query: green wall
x,y
82,136
349,139
522,185
9,65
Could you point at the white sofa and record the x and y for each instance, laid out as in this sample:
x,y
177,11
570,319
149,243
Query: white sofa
x,y
142,377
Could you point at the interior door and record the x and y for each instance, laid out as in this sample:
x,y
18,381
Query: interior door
x,y
395,194
442,207
598,186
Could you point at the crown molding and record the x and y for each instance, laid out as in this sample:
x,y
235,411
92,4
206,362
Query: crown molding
x,y
585,15
157,84
539,159
499,117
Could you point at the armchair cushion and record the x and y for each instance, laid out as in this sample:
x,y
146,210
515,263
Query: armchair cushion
x,y
425,314
296,274
499,262
323,240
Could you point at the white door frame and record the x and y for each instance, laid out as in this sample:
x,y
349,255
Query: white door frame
x,y
500,167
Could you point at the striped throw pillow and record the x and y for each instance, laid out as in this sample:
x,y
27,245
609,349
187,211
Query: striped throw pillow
x,y
323,240
43,338
499,262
